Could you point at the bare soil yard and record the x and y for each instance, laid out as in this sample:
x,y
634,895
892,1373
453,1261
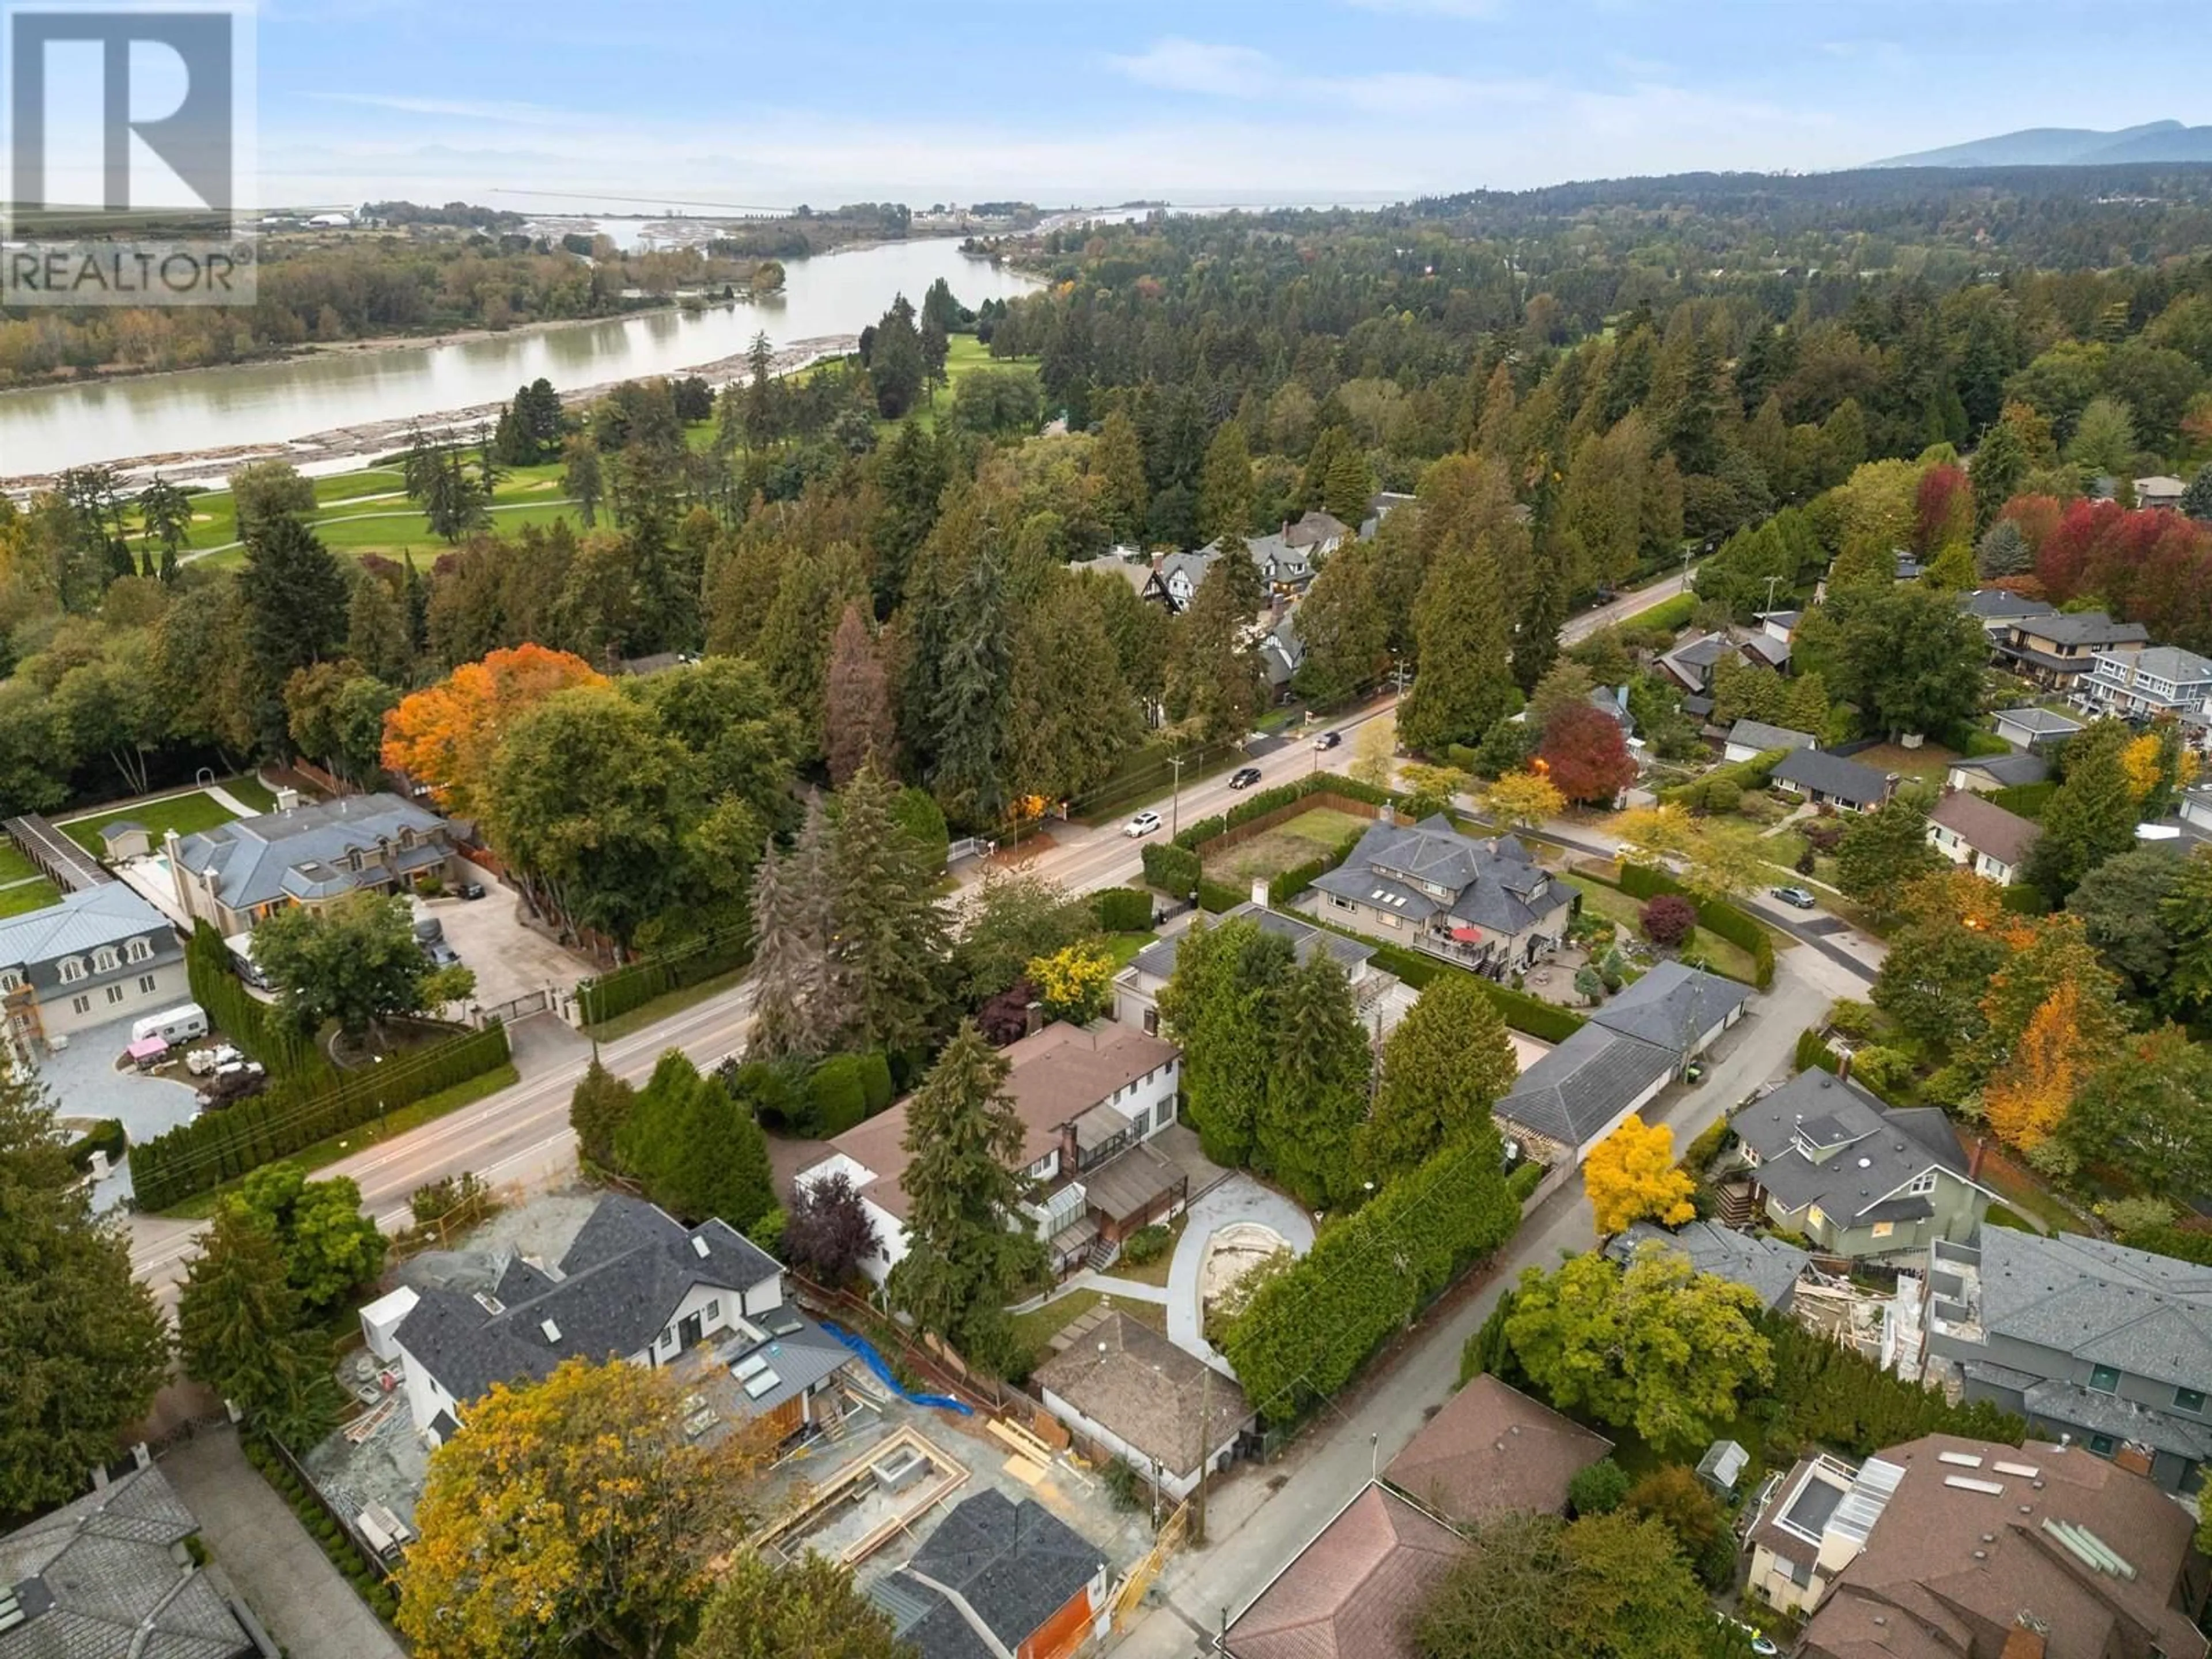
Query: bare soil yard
x,y
1288,844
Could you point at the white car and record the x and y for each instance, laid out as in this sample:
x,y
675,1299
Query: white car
x,y
1143,825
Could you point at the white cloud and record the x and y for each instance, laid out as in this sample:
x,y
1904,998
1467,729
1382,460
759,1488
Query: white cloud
x,y
469,109
1175,64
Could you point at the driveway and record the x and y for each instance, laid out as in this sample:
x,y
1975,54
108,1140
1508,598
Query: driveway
x,y
509,959
306,1605
85,1084
1239,1198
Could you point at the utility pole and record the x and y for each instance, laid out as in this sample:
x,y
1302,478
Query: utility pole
x,y
1770,580
1205,1447
1175,805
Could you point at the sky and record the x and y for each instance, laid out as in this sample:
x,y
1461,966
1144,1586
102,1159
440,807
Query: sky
x,y
566,105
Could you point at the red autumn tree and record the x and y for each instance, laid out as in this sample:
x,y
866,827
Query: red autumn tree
x,y
1944,510
1586,755
2037,517
445,734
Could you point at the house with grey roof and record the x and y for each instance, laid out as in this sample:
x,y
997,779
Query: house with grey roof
x,y
1281,651
1997,609
1122,563
1747,739
2159,682
1985,774
2160,491
2058,652
1857,1178
1484,904
1176,579
111,1576
1137,988
240,872
1692,663
1769,1267
1130,1392
635,1284
99,954
1619,1061
2110,1346
1827,780
2034,729
995,1578
1980,836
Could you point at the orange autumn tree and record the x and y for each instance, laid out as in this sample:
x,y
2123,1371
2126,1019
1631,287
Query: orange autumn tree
x,y
1630,1175
444,736
2029,1096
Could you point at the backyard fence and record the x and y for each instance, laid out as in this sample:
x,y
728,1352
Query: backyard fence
x,y
603,996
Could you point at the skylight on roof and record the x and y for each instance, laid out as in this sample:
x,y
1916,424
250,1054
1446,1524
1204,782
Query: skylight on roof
x,y
699,1247
552,1331
762,1383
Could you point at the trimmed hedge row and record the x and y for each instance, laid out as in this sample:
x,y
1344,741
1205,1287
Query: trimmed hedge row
x,y
1289,883
366,1577
606,995
849,1088
1122,909
1726,782
255,1026
1669,614
1723,919
105,1136
2026,800
1813,1052
293,1114
1194,836
1309,1328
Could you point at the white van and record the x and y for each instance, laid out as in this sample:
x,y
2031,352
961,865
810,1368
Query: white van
x,y
176,1025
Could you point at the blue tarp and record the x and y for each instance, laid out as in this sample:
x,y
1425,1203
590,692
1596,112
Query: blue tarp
x,y
862,1346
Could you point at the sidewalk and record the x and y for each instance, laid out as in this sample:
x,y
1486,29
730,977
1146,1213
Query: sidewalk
x,y
260,1543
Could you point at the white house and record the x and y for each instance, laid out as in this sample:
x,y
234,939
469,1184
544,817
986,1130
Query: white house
x,y
1747,739
1125,1386
2155,682
636,1284
2159,491
101,954
1980,836
1089,1100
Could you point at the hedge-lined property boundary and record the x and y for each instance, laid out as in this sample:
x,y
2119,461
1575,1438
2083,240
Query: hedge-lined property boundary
x,y
251,1023
295,1113
1530,1015
1727,782
606,995
1737,927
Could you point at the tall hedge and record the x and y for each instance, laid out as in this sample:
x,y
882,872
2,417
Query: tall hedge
x,y
607,994
1123,909
257,1027
296,1112
1309,1330
1813,1052
1171,869
2025,800
1726,783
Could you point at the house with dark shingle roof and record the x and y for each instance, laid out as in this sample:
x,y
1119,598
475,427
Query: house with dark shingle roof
x,y
636,1284
1834,1164
1828,780
239,872
110,1577
1997,610
1747,739
1949,1548
2058,652
2035,729
1980,836
1123,1386
1691,664
1484,904
1618,1062
1985,774
996,1578
1491,1448
1769,1267
1137,988
1353,1592
2110,1346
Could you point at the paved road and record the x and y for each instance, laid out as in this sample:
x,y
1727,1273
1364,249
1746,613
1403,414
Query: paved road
x,y
1257,1526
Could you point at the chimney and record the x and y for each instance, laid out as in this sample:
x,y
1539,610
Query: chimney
x,y
287,797
1259,891
1974,1159
1032,1019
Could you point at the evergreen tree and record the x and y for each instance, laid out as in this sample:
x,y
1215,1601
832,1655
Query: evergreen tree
x,y
86,1349
376,631
2187,912
1214,681
1224,491
895,364
295,597
238,1323
1316,1087
964,1263
2196,500
415,601
910,479
973,700
2091,816
598,1110
856,700
1445,1066
1343,628
1118,462
1536,643
581,480
1348,485
1071,715
2003,551
888,959
1220,1005
1466,682
1884,849
2000,463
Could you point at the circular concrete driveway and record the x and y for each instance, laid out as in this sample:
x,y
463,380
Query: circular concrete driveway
x,y
1237,1202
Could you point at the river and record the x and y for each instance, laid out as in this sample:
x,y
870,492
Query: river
x,y
46,428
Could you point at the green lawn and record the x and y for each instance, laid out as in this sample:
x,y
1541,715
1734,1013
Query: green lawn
x,y
184,814
33,895
1034,1329
1317,830
1123,947
14,867
1154,1272
251,790
660,1007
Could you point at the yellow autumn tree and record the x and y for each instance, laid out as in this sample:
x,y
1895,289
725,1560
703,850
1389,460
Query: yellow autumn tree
x,y
2143,761
574,1515
1072,982
1523,799
1375,752
2029,1096
1630,1175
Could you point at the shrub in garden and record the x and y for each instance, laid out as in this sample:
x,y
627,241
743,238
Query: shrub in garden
x,y
1145,1244
1599,1489
1667,920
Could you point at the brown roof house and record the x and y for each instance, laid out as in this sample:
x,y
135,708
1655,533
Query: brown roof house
x,y
1354,1592
1949,1548
1164,1412
1490,1448
1090,1099
1980,836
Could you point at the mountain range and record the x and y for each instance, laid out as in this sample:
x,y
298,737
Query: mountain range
x,y
2069,147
